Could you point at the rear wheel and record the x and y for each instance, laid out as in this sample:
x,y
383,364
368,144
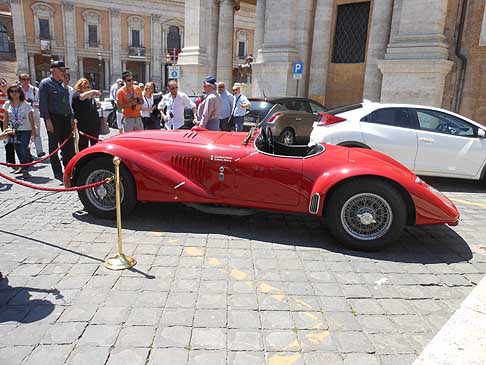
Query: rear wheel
x,y
366,214
287,137
101,200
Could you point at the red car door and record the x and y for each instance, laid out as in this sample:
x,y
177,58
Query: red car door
x,y
268,179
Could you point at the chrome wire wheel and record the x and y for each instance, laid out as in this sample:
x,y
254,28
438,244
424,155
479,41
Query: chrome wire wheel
x,y
103,197
366,216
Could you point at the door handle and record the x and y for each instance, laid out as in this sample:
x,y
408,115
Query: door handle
x,y
298,118
426,140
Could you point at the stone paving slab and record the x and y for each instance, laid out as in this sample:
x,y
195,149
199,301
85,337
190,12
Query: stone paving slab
x,y
268,289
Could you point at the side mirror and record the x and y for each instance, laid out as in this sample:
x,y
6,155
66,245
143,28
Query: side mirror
x,y
481,133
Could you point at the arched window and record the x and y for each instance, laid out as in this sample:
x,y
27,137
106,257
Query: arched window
x,y
173,38
92,29
242,41
135,32
44,21
3,38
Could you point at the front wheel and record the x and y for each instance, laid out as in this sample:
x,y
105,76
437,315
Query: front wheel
x,y
101,200
366,214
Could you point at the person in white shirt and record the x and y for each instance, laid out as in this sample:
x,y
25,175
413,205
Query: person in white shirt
x,y
240,106
175,102
67,79
149,122
32,97
119,115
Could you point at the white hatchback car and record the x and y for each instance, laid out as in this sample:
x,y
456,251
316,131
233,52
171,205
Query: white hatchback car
x,y
429,141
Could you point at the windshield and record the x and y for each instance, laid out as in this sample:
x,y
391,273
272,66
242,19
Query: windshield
x,y
260,107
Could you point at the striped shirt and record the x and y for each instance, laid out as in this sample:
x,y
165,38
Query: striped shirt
x,y
3,99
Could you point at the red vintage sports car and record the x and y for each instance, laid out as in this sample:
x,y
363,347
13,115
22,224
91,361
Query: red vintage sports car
x,y
365,197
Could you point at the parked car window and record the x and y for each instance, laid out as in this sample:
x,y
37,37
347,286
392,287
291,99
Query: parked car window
x,y
260,108
435,121
316,108
297,105
395,117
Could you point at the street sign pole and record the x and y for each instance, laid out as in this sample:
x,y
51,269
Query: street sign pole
x,y
298,70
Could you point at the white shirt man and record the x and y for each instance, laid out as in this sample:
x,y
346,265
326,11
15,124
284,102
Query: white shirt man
x,y
175,102
32,97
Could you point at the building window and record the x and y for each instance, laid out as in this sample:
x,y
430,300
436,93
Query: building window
x,y
93,35
135,38
135,31
92,27
44,28
43,18
3,39
173,38
351,33
242,39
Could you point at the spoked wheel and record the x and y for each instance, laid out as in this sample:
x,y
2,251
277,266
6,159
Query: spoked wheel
x,y
366,214
101,200
287,137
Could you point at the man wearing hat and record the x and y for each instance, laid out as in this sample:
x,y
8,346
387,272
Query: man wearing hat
x,y
208,111
57,113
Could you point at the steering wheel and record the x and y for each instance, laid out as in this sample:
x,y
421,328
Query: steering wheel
x,y
446,128
270,144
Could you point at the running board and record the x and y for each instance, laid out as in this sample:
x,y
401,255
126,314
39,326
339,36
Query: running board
x,y
223,210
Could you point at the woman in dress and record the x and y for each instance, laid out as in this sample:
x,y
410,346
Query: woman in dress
x,y
149,122
19,116
86,112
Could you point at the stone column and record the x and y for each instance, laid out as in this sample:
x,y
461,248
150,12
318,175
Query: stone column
x,y
107,74
260,27
272,73
156,49
69,23
147,72
225,41
378,39
416,61
32,68
81,67
115,44
213,37
17,10
124,66
193,58
304,25
320,50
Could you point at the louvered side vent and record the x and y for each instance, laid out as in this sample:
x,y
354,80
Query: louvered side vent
x,y
190,135
314,203
189,165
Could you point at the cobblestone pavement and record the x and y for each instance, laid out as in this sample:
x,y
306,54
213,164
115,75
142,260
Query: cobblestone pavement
x,y
267,289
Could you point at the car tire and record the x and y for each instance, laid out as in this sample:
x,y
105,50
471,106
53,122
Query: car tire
x,y
287,137
382,213
100,201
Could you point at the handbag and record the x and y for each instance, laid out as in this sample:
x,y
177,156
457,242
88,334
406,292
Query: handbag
x,y
104,129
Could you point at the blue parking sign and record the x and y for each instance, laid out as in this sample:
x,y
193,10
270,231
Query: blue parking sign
x,y
298,68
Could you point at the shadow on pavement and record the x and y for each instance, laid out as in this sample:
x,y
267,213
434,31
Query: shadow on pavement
x,y
455,185
21,308
430,244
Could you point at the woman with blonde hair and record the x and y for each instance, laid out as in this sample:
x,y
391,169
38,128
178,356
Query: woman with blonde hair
x,y
86,111
148,119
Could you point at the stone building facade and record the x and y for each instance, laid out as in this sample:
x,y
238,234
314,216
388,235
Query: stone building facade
x,y
430,52
99,40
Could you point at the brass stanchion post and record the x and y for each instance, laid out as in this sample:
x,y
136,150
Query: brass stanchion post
x,y
76,137
120,261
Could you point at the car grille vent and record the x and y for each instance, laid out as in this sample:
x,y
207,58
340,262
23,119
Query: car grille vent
x,y
314,203
190,135
189,165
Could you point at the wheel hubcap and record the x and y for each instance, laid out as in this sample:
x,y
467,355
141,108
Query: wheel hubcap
x,y
287,138
103,197
366,216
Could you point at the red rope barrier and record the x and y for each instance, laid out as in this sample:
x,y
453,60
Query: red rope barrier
x,y
37,161
58,190
89,136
